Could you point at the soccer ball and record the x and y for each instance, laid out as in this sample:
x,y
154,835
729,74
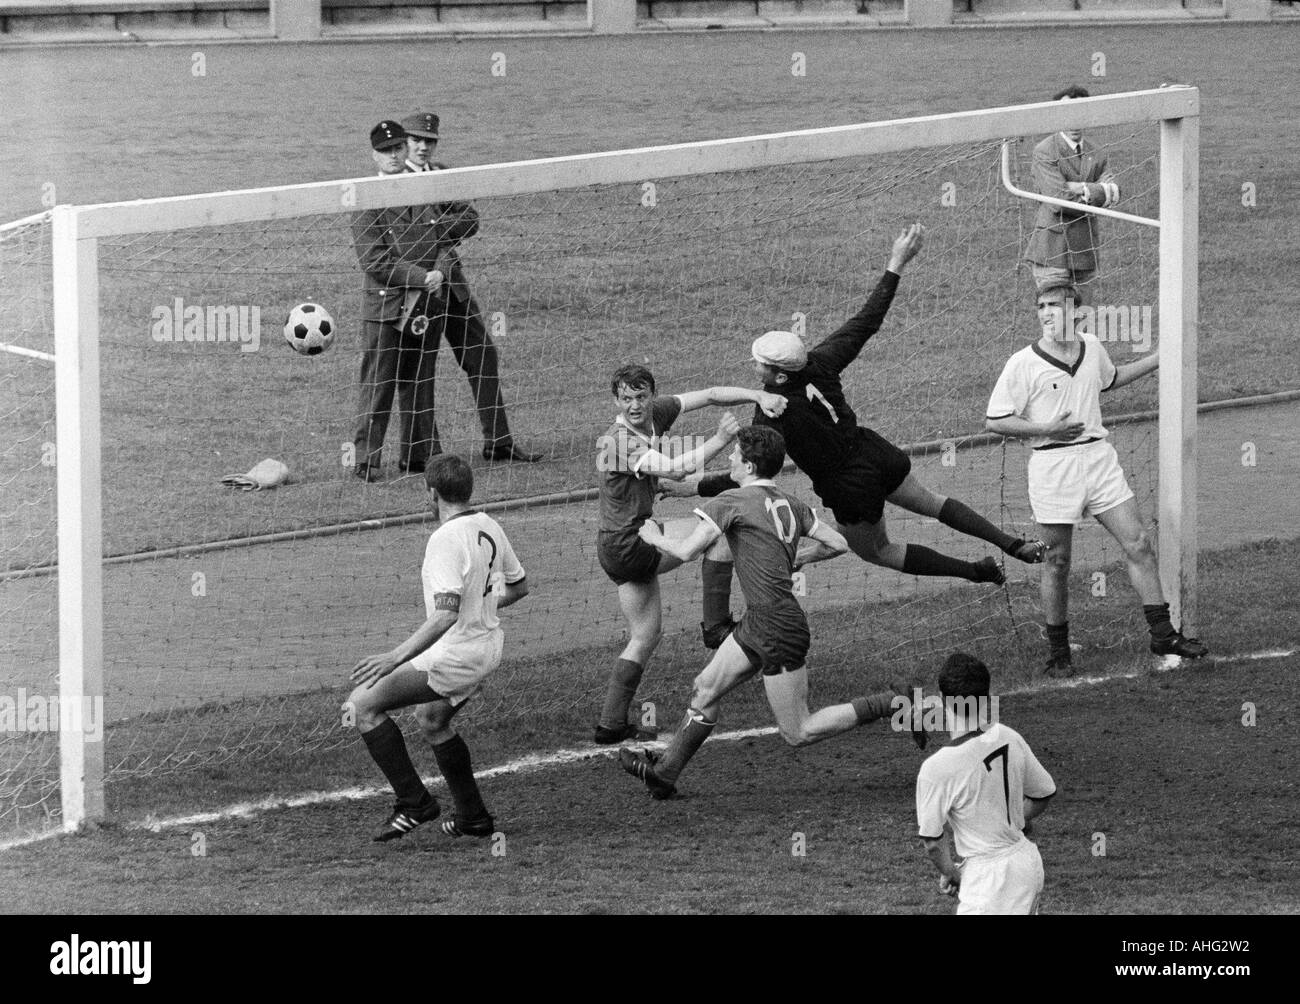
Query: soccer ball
x,y
309,329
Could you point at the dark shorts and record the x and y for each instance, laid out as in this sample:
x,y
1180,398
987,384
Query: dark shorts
x,y
625,557
875,472
775,639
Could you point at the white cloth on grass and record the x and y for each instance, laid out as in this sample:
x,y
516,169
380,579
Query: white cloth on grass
x,y
268,474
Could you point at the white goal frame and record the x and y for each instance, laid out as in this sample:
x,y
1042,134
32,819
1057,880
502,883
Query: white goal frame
x,y
77,230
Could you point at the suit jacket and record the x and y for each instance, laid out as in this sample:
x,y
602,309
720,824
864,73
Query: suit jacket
x,y
1063,238
457,285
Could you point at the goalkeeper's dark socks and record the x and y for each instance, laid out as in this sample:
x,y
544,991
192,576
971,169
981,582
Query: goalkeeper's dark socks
x,y
623,681
918,560
690,737
873,706
1157,615
388,749
1058,640
964,519
715,576
453,761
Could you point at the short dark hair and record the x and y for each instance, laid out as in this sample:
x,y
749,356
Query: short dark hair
x,y
1068,292
634,376
1073,91
764,448
451,478
964,676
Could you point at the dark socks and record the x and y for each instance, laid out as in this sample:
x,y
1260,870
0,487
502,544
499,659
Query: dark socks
x,y
715,577
873,706
1058,639
918,560
690,737
388,749
623,681
453,761
963,518
1157,615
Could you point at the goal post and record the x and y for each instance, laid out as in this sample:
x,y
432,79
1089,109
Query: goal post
x,y
80,516
278,222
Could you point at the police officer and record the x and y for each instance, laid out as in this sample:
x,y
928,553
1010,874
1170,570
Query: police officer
x,y
462,320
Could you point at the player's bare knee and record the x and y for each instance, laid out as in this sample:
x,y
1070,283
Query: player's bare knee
x,y
434,725
797,735
364,711
1140,549
1058,559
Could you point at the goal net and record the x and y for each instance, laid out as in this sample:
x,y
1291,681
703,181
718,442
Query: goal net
x,y
230,619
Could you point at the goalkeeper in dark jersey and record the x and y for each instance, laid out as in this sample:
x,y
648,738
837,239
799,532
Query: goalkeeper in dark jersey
x,y
853,469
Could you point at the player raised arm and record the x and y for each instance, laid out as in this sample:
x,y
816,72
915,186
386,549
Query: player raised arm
x,y
841,347
687,548
772,404
657,465
1129,372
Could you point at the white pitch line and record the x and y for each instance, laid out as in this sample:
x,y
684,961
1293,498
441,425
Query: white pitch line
x,y
18,350
558,758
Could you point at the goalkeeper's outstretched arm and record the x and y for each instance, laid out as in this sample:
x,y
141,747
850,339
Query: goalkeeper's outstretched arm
x,y
841,347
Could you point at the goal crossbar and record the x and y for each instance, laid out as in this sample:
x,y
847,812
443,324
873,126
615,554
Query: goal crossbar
x,y
626,166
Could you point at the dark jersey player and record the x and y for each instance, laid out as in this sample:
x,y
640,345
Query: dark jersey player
x,y
853,469
633,455
762,525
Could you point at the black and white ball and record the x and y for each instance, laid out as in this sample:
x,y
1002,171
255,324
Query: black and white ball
x,y
309,329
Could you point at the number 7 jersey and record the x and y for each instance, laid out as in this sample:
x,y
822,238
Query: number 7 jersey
x,y
978,786
470,556
763,525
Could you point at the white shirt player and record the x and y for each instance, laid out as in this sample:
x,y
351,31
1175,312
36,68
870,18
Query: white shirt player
x,y
469,555
978,786
1038,387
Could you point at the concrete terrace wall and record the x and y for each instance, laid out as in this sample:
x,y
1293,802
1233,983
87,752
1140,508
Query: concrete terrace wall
x,y
37,21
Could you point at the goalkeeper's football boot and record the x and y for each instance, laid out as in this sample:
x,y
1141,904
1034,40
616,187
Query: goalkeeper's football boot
x,y
1060,666
715,634
641,765
1176,644
1031,552
988,570
627,732
404,820
484,827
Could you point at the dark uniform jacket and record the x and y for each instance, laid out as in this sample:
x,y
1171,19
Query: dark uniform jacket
x,y
399,245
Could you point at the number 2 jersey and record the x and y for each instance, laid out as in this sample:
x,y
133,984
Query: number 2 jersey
x,y
978,785
763,526
470,556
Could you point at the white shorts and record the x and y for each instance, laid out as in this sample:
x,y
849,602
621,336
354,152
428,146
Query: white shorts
x,y
456,669
1006,883
1072,482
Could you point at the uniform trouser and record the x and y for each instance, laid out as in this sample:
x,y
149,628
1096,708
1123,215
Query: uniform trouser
x,y
476,354
397,362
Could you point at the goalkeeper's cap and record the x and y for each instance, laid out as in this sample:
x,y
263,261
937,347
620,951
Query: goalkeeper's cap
x,y
782,349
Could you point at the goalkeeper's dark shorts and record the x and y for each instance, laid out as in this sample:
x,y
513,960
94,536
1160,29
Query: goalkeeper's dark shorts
x,y
625,557
775,638
856,493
